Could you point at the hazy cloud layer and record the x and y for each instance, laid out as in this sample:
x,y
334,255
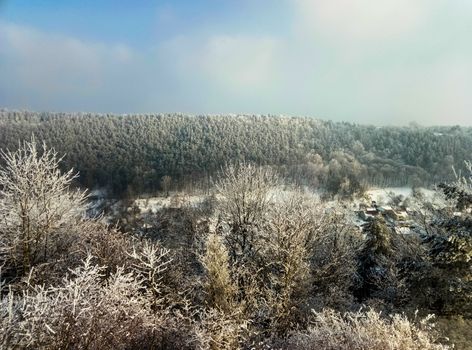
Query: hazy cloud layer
x,y
381,62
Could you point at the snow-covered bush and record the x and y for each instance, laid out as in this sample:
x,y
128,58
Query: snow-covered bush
x,y
86,311
361,330
37,206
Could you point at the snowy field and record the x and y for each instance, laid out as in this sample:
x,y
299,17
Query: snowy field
x,y
154,204
382,195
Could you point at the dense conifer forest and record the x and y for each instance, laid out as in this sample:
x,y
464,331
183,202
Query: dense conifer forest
x,y
130,154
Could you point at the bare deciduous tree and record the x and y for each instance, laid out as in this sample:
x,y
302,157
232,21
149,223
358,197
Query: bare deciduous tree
x,y
36,203
166,181
286,254
246,191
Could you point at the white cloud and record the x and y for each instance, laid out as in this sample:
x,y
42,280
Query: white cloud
x,y
438,92
122,53
241,61
376,61
194,73
387,61
369,21
232,62
40,59
41,69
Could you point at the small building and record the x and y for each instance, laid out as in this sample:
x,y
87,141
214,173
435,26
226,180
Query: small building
x,y
372,211
402,215
368,213
403,230
388,212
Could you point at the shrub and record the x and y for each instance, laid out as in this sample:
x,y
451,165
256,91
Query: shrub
x,y
85,312
37,206
360,330
218,285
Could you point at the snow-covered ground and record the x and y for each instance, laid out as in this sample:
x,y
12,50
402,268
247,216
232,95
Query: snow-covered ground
x,y
154,204
176,200
382,195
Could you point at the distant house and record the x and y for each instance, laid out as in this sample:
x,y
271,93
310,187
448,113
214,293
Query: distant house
x,y
388,212
395,216
368,213
402,215
372,211
403,230
363,206
96,194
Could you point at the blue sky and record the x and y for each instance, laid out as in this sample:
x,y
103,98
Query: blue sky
x,y
379,62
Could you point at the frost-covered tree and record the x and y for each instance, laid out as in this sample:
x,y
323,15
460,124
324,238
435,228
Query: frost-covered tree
x,y
378,259
450,251
440,277
37,205
285,257
166,182
246,191
218,285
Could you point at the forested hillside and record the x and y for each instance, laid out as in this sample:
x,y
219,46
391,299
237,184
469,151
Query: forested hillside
x,y
131,154
253,265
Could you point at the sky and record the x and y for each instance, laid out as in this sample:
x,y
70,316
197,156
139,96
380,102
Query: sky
x,y
382,62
